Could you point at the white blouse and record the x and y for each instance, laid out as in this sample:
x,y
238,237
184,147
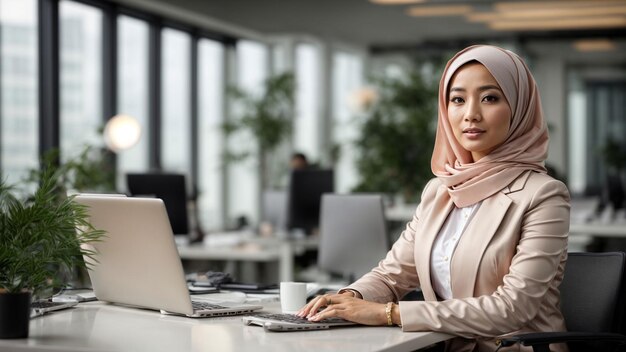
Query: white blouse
x,y
444,246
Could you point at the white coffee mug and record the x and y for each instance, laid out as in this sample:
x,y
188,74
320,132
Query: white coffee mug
x,y
292,296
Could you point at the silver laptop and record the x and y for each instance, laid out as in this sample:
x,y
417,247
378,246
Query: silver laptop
x,y
42,307
291,322
137,263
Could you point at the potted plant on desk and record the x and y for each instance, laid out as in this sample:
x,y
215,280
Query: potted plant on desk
x,y
40,235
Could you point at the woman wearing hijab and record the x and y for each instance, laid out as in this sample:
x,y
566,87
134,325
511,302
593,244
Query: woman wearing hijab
x,y
488,243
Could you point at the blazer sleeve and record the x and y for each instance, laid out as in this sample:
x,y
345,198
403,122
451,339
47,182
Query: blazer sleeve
x,y
541,248
396,275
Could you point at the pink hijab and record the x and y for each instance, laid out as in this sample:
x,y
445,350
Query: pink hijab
x,y
526,145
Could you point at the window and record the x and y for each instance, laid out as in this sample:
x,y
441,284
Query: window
x,y
175,102
596,120
577,138
210,116
132,92
347,79
243,178
606,103
18,88
307,122
80,77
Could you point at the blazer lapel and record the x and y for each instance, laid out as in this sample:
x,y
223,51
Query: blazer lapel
x,y
442,206
474,242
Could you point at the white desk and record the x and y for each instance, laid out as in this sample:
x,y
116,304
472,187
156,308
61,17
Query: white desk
x,y
614,229
253,249
97,326
400,212
404,213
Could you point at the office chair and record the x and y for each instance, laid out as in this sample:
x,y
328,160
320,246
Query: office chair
x,y
353,234
274,210
591,302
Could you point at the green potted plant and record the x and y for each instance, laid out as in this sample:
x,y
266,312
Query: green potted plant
x,y
41,235
92,170
396,139
268,119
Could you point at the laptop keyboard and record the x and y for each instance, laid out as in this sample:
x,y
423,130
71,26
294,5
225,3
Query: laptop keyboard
x,y
46,304
291,318
199,305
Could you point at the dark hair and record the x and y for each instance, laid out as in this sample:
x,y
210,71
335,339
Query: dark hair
x,y
300,156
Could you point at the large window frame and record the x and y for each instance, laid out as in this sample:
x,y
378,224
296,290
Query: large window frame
x,y
48,79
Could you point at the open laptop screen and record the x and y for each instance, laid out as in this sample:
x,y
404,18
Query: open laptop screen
x,y
138,262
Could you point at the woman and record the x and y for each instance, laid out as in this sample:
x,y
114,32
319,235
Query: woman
x,y
488,243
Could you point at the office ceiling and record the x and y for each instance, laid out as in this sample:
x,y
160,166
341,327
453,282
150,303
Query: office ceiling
x,y
365,23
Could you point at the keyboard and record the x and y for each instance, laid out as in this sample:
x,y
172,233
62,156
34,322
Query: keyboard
x,y
46,304
199,305
291,318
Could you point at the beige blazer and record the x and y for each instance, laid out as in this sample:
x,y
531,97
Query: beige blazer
x,y
505,271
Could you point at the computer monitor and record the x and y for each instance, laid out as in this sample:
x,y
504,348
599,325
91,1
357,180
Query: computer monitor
x,y
353,234
306,187
170,188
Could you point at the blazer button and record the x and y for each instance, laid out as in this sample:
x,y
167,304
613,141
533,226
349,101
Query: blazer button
x,y
497,342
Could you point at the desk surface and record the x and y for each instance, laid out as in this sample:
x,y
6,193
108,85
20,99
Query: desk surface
x,y
400,212
616,229
247,248
97,326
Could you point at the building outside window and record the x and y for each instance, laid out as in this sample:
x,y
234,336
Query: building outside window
x,y
132,92
210,139
80,78
307,123
347,86
175,102
19,126
243,178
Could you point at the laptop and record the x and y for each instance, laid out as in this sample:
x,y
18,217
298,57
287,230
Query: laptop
x,y
291,322
137,263
45,306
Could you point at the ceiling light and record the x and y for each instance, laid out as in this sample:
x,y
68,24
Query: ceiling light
x,y
545,13
396,2
594,45
519,5
560,23
451,10
362,99
121,132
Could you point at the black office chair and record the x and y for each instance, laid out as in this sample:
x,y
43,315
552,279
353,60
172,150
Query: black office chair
x,y
592,304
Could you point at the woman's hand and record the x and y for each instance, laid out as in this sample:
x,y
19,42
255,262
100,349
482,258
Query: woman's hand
x,y
344,306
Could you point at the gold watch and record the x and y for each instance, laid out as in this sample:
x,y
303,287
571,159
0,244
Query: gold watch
x,y
388,310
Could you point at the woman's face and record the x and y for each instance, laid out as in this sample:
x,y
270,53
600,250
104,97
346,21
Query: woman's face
x,y
478,112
